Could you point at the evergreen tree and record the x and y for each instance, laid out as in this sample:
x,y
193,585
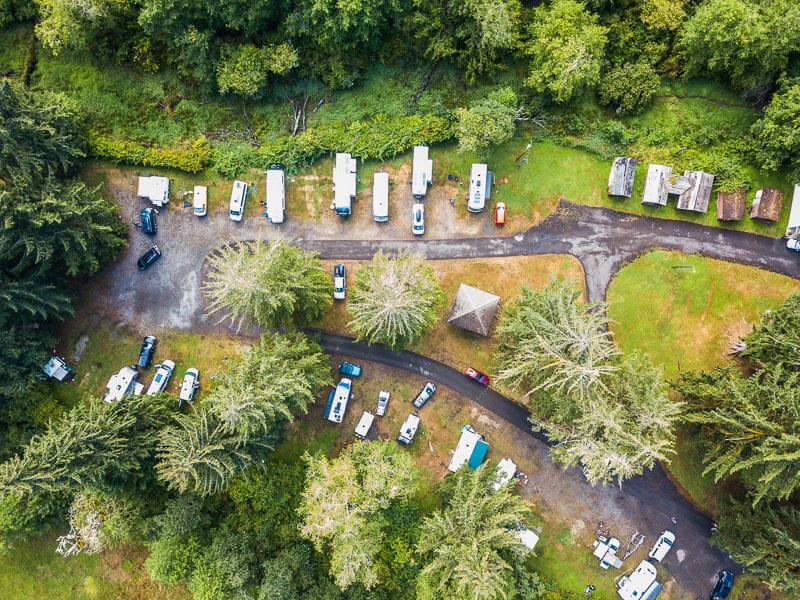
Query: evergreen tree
x,y
394,300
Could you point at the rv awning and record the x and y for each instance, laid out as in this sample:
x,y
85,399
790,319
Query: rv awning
x,y
478,454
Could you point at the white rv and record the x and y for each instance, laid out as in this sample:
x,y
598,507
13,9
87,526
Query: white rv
x,y
380,197
238,200
344,183
364,425
793,225
341,396
506,469
123,384
480,187
276,196
422,173
154,188
639,585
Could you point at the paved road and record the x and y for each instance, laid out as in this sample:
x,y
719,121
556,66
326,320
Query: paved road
x,y
603,240
656,495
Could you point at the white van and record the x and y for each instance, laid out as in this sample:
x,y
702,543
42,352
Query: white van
x,y
408,429
200,200
364,425
238,199
380,197
662,546
276,196
480,187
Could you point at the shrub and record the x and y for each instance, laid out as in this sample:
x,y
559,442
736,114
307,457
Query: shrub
x,y
191,156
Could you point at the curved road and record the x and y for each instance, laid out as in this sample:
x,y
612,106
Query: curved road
x,y
653,490
603,240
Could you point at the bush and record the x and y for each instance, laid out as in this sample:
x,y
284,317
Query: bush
x,y
191,156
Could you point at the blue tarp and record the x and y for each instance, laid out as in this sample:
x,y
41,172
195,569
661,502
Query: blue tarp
x,y
653,591
478,454
489,185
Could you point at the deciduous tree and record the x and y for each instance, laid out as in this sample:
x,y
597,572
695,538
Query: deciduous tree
x,y
245,69
777,133
629,88
394,300
566,45
489,122
343,501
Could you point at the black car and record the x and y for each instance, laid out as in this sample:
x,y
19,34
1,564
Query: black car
x,y
149,225
148,258
147,351
723,586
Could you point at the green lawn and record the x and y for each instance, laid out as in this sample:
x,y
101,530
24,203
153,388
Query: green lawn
x,y
33,571
684,311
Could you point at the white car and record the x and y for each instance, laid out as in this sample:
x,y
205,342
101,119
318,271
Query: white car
x,y
793,244
662,546
163,373
339,282
418,219
383,403
191,381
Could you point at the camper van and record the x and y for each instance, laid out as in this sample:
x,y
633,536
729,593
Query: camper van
x,y
422,174
276,196
480,187
639,585
238,199
380,197
344,183
364,425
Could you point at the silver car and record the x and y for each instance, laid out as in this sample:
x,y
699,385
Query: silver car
x,y
383,403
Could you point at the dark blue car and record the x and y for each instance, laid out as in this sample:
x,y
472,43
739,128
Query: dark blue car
x,y
723,586
147,351
149,224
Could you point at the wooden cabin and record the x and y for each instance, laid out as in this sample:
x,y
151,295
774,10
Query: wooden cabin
x,y
696,196
730,206
620,179
655,190
767,205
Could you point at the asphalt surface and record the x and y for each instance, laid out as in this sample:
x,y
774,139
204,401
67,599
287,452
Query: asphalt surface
x,y
657,498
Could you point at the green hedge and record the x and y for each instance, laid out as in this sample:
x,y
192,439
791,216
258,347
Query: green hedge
x,y
380,138
191,156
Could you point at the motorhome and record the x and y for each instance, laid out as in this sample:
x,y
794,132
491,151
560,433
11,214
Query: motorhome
x,y
122,384
341,396
380,197
422,172
480,187
275,206
238,200
471,449
344,183
153,188
364,425
641,584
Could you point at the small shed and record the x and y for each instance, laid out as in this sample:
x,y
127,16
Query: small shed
x,y
655,185
767,205
620,179
793,226
153,188
696,196
473,309
730,206
471,449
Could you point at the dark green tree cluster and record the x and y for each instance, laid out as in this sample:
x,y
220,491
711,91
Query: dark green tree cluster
x,y
54,229
751,431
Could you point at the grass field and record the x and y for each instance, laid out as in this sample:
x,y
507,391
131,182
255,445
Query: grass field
x,y
685,318
33,571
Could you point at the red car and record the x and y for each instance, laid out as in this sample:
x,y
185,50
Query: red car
x,y
481,378
500,214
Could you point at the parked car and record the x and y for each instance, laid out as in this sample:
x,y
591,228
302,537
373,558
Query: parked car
x,y
161,378
147,351
418,219
500,214
408,429
793,244
350,369
723,586
148,220
424,394
191,381
383,403
477,376
339,282
148,258
662,546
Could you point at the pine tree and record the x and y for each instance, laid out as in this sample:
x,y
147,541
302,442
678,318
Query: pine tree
x,y
394,300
